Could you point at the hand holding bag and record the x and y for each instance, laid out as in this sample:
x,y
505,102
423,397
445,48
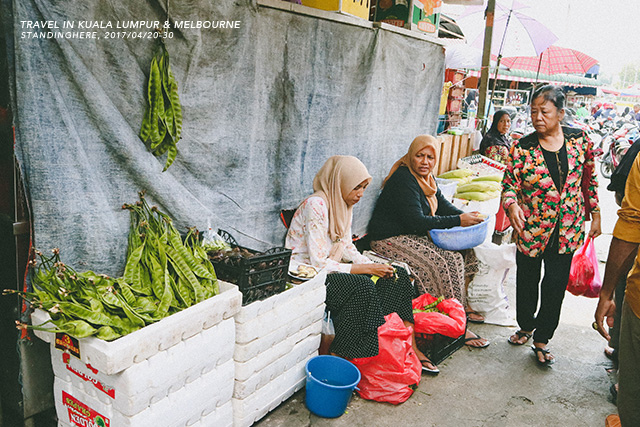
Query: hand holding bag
x,y
584,277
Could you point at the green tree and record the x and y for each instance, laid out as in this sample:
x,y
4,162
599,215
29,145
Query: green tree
x,y
630,74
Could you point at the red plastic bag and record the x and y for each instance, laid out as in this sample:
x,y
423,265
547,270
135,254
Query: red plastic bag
x,y
452,325
584,277
395,372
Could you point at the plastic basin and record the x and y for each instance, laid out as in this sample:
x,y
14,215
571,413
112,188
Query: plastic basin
x,y
459,238
330,384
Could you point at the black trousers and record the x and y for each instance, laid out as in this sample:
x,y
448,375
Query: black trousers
x,y
550,291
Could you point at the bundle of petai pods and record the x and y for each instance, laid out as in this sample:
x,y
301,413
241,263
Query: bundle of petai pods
x,y
162,122
163,275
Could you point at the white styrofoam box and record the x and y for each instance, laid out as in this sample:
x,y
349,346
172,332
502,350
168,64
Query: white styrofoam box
x,y
311,321
115,356
257,405
186,406
135,388
254,374
298,292
271,320
221,417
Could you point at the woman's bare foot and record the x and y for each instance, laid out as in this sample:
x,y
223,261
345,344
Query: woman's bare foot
x,y
474,340
427,365
543,354
520,337
474,316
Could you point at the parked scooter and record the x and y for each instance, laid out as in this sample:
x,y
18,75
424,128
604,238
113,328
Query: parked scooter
x,y
617,145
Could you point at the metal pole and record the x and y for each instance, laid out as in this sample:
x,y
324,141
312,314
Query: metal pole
x,y
535,85
486,60
495,77
539,65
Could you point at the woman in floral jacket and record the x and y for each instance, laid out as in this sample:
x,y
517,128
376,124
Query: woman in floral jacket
x,y
545,201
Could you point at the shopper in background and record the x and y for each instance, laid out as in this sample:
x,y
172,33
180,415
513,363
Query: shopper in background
x,y
320,236
623,255
410,205
582,112
497,143
542,189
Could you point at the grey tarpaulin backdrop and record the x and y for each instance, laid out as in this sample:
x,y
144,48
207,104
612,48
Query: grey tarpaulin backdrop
x,y
264,106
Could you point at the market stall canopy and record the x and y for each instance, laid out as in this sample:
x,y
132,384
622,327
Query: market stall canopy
x,y
631,91
532,77
459,54
448,28
514,32
553,60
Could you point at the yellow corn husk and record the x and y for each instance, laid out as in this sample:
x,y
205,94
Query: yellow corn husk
x,y
460,181
481,186
456,174
496,178
478,195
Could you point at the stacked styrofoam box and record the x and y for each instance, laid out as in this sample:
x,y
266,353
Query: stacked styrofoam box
x,y
176,372
274,339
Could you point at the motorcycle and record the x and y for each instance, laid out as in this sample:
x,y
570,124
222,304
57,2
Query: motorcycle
x,y
617,145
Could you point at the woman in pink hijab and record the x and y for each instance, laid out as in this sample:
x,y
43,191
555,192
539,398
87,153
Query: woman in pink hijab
x,y
359,292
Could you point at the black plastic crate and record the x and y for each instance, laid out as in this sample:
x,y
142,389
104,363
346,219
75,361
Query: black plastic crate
x,y
259,276
438,347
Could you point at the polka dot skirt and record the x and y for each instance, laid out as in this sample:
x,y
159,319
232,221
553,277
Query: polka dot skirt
x,y
358,307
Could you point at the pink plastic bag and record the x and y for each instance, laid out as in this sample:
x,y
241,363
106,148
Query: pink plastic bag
x,y
452,325
395,372
584,277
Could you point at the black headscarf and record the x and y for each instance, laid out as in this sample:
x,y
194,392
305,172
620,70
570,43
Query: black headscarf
x,y
493,136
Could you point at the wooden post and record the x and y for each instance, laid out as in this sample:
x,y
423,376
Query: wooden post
x,y
486,61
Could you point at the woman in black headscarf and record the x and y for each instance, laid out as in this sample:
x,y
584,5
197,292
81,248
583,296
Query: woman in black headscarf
x,y
497,143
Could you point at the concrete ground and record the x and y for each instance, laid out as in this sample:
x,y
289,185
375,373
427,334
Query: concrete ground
x,y
501,385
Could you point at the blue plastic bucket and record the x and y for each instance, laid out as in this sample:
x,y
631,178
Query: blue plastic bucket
x,y
330,383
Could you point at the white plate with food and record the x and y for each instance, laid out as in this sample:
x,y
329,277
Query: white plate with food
x,y
302,271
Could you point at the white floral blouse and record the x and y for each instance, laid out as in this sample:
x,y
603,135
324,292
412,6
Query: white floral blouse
x,y
309,241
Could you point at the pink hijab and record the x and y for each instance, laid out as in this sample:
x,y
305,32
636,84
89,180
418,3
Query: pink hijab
x,y
334,181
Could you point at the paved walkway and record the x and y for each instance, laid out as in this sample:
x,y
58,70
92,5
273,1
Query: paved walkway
x,y
500,385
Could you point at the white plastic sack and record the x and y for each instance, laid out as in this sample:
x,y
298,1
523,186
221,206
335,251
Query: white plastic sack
x,y
486,293
447,187
477,139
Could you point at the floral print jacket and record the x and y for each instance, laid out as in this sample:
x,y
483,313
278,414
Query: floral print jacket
x,y
528,182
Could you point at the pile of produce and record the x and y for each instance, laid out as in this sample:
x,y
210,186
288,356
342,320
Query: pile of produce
x,y
478,188
163,275
258,275
431,308
162,122
460,175
229,256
